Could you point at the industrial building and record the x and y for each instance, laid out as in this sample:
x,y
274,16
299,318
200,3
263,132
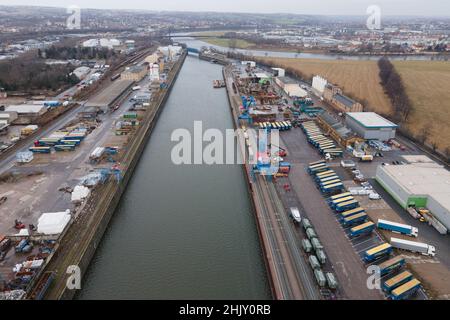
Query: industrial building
x,y
291,87
109,96
422,183
319,84
333,94
278,72
370,125
27,113
135,73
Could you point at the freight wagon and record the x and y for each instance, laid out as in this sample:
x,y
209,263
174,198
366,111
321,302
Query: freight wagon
x,y
331,280
362,229
391,265
397,281
377,252
397,227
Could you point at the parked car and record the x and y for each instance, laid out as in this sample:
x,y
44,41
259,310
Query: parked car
x,y
374,196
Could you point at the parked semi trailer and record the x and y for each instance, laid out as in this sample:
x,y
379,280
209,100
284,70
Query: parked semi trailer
x,y
405,290
397,281
333,188
414,246
355,219
397,227
337,196
391,265
377,252
348,205
351,212
362,229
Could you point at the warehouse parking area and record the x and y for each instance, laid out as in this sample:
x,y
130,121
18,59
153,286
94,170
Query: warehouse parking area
x,y
431,271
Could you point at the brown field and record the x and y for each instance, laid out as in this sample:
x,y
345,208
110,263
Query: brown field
x,y
428,86
426,82
359,79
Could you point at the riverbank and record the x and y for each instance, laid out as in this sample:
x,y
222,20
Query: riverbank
x,y
79,243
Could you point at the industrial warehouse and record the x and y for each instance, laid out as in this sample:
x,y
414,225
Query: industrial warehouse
x,y
370,125
421,183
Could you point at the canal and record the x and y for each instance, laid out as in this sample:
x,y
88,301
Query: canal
x,y
187,231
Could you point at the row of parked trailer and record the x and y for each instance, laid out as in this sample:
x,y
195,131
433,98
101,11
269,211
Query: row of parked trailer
x,y
59,141
317,138
350,214
276,125
327,180
316,257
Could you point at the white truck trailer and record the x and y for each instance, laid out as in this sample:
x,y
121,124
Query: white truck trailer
x,y
414,246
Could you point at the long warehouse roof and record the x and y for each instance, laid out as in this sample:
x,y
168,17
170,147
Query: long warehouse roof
x,y
109,94
423,178
371,120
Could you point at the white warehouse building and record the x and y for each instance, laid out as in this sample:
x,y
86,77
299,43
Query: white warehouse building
x,y
370,125
422,183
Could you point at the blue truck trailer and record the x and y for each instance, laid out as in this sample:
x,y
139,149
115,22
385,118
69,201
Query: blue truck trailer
x,y
40,149
362,229
335,202
317,168
405,290
65,147
397,228
377,252
350,213
337,196
355,219
333,188
344,206
396,281
392,265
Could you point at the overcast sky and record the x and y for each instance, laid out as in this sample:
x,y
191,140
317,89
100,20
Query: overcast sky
x,y
327,7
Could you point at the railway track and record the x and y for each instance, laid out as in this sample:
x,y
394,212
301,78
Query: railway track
x,y
285,265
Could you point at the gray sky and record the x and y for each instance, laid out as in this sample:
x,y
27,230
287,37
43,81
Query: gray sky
x,y
327,7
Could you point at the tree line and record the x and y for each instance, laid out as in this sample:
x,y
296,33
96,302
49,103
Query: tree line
x,y
28,74
78,53
393,86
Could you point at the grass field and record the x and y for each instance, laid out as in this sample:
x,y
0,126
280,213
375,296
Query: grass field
x,y
427,84
357,78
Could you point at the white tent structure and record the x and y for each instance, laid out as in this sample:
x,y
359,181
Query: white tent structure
x,y
53,222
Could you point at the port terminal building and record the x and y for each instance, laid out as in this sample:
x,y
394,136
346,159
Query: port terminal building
x,y
421,183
